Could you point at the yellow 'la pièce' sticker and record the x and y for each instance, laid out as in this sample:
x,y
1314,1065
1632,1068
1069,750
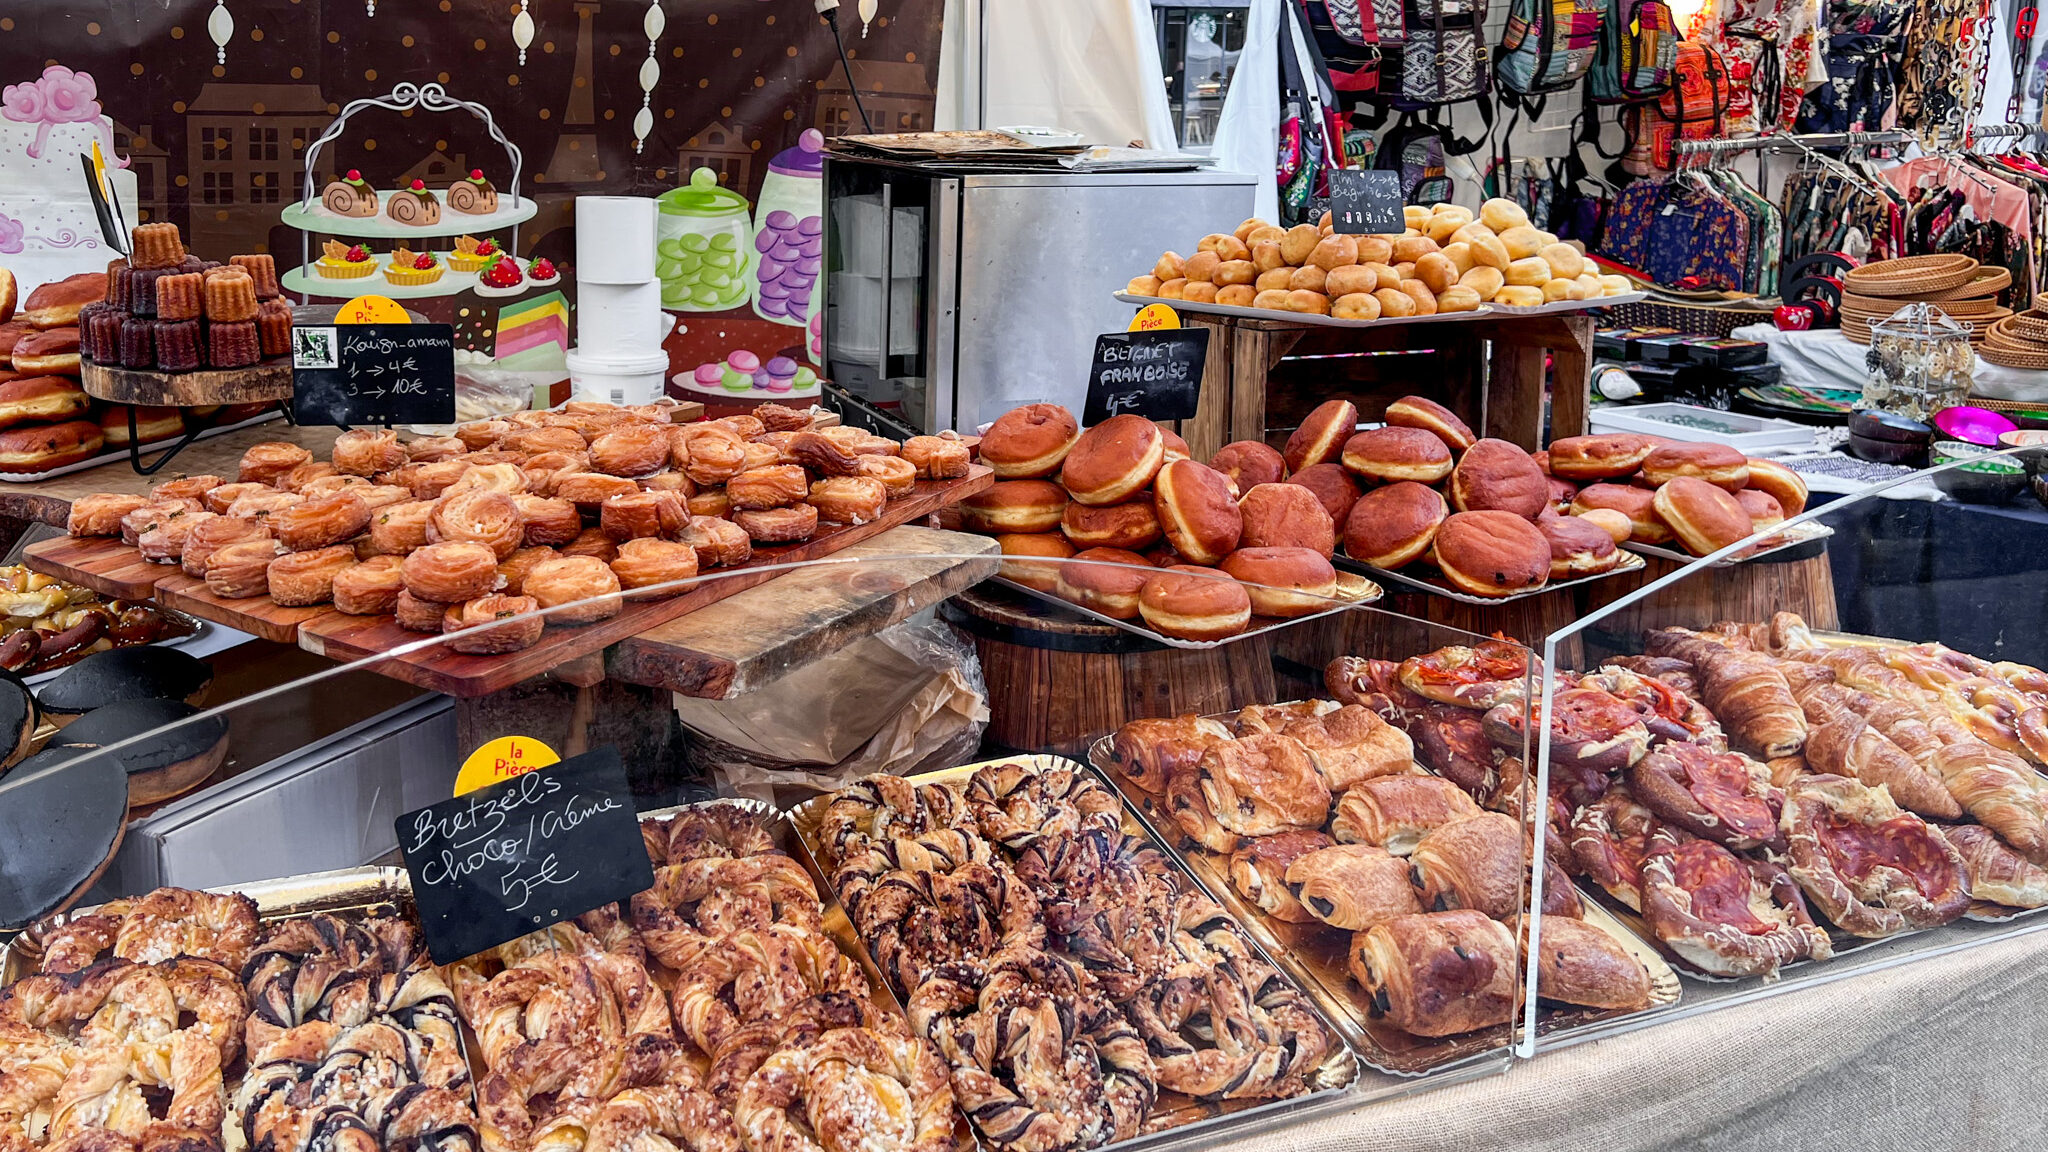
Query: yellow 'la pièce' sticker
x,y
371,309
1153,317
502,759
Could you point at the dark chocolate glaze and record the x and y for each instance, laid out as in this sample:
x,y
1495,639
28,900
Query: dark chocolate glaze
x,y
145,673
174,741
61,816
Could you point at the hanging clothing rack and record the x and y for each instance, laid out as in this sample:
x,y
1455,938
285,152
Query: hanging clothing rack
x,y
1785,142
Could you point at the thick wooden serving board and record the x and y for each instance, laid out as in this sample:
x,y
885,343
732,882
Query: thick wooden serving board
x,y
761,634
255,615
101,563
451,673
259,383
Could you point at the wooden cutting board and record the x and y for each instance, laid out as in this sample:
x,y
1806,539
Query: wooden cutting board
x,y
255,615
441,669
101,563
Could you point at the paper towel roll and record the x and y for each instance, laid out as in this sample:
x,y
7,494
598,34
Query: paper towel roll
x,y
620,319
614,239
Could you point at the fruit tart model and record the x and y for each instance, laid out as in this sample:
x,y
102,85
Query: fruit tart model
x,y
344,262
541,273
408,268
474,196
350,196
414,204
472,254
500,277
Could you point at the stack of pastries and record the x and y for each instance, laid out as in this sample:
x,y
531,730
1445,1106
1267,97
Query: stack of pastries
x,y
1066,972
710,1012
46,419
1736,780
1194,550
1698,497
1443,261
567,510
1320,816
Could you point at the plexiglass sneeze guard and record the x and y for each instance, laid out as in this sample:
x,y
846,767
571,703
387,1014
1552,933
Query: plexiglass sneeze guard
x,y
1795,705
1313,999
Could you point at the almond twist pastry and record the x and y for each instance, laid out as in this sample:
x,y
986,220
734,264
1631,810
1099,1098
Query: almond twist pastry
x,y
665,1114
886,807
717,895
914,921
714,831
858,1089
753,976
1015,806
155,926
750,1045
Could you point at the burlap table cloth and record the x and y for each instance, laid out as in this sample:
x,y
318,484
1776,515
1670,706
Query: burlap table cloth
x,y
1946,1052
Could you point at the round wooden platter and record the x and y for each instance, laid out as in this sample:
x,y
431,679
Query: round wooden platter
x,y
260,383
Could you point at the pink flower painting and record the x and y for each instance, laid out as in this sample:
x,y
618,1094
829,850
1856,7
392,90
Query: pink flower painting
x,y
60,97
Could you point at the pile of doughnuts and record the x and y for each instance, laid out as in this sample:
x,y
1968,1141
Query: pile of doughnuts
x,y
46,420
568,510
1699,497
1444,261
1194,550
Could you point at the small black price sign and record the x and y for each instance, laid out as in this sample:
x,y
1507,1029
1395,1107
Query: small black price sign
x,y
373,374
1157,374
1364,201
517,856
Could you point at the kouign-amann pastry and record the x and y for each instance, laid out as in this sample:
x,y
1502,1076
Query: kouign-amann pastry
x,y
242,569
777,486
544,521
320,521
264,503
302,579
848,499
591,489
151,514
778,525
645,563
451,572
484,517
517,624
369,588
631,450
512,569
594,543
265,463
496,476
578,589
898,476
100,513
635,515
937,457
397,529
368,451
711,454
213,534
164,543
417,615
718,543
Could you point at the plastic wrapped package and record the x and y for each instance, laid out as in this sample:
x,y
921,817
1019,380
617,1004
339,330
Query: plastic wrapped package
x,y
909,696
484,391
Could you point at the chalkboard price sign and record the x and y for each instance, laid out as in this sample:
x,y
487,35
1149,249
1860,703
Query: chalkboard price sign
x,y
373,374
1364,201
1157,375
494,864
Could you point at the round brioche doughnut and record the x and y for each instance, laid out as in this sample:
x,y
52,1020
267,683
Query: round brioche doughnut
x,y
43,399
1645,527
1332,485
1321,437
1393,453
1577,547
1392,526
1782,483
1491,553
1029,442
1703,515
1494,475
1430,416
41,447
1113,460
1105,580
1286,516
52,351
1249,463
1020,550
1616,524
1284,582
1132,527
151,424
1607,456
58,303
1176,448
1191,603
1562,492
1015,506
1717,464
1763,508
1197,511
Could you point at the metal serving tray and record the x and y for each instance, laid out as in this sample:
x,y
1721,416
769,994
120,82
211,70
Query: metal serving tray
x,y
1808,538
1355,588
1315,955
1175,1119
1243,313
1435,584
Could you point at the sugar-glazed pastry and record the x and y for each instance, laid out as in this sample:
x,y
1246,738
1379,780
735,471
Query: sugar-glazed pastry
x,y
594,543
898,476
451,572
397,529
351,195
414,204
484,517
473,196
779,525
718,543
368,451
646,563
512,569
580,589
213,534
303,579
416,615
242,569
547,521
369,588
937,457
164,543
264,463
516,619
100,513
631,450
320,521
776,486
848,499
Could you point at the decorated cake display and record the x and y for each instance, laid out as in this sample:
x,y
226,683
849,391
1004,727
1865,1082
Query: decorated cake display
x,y
743,374
473,196
414,204
344,262
407,268
350,196
472,254
541,273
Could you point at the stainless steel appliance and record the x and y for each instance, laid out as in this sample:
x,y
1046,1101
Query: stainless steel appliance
x,y
992,284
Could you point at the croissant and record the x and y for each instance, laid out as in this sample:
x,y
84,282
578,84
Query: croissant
x,y
1150,753
1394,812
1577,963
1352,886
1353,744
1997,873
1258,870
1471,863
1262,784
1744,689
1999,792
1438,973
1855,749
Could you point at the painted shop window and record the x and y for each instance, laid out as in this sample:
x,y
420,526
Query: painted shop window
x,y
217,187
265,187
262,143
216,143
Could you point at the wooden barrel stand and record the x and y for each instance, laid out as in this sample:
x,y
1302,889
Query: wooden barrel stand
x,y
1057,680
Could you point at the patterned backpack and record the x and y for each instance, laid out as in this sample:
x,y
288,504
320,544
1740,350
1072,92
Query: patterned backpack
x,y
1435,52
1697,101
1417,150
1549,46
1347,35
1638,53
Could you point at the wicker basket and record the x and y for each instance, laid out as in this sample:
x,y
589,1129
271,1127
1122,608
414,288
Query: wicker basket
x,y
1692,319
1911,277
1985,282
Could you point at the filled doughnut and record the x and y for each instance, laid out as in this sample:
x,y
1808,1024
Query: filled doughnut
x,y
1494,475
1016,506
33,399
1113,460
1286,516
1321,436
1333,487
1284,581
1191,603
1029,442
1638,504
1133,526
1393,526
1197,511
1702,514
1491,553
1717,464
1105,580
1383,455
1602,457
1578,547
1028,557
1249,463
42,447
